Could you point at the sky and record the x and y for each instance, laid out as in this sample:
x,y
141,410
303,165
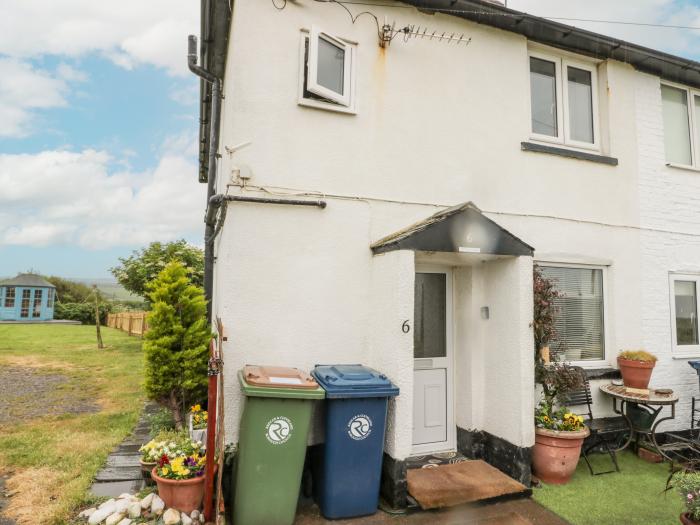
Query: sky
x,y
98,121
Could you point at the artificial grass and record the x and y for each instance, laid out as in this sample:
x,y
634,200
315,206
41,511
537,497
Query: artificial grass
x,y
635,496
52,460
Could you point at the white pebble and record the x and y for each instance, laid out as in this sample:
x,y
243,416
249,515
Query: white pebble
x,y
171,517
146,502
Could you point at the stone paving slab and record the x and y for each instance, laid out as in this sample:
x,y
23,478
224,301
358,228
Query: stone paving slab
x,y
122,472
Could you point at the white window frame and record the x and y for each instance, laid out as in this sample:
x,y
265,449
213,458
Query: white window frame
x,y
692,116
682,351
346,103
591,363
561,64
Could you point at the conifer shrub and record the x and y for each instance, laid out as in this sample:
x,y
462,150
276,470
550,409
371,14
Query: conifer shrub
x,y
176,344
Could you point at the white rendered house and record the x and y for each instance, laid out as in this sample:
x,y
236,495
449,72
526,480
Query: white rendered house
x,y
380,191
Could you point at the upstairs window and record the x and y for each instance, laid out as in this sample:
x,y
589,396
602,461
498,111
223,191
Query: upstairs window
x,y
563,101
328,71
10,297
681,114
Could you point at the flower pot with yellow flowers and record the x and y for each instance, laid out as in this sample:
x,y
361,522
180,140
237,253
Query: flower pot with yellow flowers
x,y
180,481
559,436
559,433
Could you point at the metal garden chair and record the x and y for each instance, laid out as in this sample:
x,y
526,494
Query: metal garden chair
x,y
605,431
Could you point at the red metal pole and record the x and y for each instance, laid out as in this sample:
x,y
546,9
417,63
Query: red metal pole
x,y
211,434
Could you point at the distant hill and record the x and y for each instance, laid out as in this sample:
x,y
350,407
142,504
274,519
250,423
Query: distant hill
x,y
110,288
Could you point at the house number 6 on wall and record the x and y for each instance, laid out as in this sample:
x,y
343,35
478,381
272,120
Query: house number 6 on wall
x,y
405,327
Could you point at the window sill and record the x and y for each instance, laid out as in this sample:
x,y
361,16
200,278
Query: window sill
x,y
682,167
609,372
317,104
685,355
570,153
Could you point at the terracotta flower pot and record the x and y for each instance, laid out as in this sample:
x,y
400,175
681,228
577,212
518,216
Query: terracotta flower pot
x,y
556,454
635,374
687,520
146,468
184,495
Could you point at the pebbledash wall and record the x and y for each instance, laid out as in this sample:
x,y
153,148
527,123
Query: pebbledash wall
x,y
435,125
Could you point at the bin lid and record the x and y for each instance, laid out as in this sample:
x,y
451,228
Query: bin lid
x,y
353,381
695,365
278,381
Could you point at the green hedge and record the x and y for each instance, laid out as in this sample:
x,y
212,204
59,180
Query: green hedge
x,y
83,312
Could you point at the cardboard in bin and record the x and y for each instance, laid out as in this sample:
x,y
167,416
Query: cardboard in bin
x,y
278,376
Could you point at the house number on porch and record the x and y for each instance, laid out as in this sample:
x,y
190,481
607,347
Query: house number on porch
x,y
405,327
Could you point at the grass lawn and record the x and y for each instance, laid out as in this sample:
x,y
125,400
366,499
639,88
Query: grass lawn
x,y
635,496
53,458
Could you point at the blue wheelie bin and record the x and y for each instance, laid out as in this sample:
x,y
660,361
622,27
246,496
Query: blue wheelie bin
x,y
348,469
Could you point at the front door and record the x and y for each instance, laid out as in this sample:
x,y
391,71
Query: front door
x,y
433,414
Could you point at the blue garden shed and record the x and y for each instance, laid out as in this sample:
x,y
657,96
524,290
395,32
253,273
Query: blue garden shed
x,y
27,297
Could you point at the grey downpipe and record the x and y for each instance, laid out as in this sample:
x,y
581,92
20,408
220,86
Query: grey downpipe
x,y
211,173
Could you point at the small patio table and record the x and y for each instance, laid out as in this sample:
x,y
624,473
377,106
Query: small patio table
x,y
641,411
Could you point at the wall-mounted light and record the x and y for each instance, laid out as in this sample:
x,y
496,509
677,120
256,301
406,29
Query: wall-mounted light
x,y
484,312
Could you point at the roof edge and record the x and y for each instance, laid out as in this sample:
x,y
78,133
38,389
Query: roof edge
x,y
556,34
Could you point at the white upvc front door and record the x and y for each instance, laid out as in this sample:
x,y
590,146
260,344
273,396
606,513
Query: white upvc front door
x,y
433,404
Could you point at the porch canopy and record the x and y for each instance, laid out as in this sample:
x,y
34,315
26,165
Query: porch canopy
x,y
459,229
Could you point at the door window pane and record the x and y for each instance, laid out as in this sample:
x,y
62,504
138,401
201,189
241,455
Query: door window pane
x,y
579,320
430,315
36,312
580,95
331,66
24,310
685,297
676,127
543,96
10,297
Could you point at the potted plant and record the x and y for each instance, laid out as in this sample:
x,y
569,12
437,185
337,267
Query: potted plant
x,y
179,475
688,486
149,458
198,423
559,436
559,433
170,443
636,367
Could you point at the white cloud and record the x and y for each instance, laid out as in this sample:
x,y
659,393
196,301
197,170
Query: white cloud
x,y
129,32
79,198
24,88
666,12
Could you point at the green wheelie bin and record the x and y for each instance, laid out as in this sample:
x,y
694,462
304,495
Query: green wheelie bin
x,y
272,443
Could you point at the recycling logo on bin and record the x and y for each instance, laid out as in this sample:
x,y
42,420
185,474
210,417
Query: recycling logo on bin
x,y
278,430
360,427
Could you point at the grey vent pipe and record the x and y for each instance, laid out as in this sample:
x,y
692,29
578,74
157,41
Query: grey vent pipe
x,y
211,172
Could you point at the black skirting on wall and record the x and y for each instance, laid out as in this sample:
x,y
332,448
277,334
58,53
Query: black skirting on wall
x,y
506,457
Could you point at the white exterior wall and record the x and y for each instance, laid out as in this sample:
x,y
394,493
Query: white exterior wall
x,y
436,125
670,214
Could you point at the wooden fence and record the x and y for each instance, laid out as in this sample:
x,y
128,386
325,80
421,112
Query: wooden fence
x,y
134,323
